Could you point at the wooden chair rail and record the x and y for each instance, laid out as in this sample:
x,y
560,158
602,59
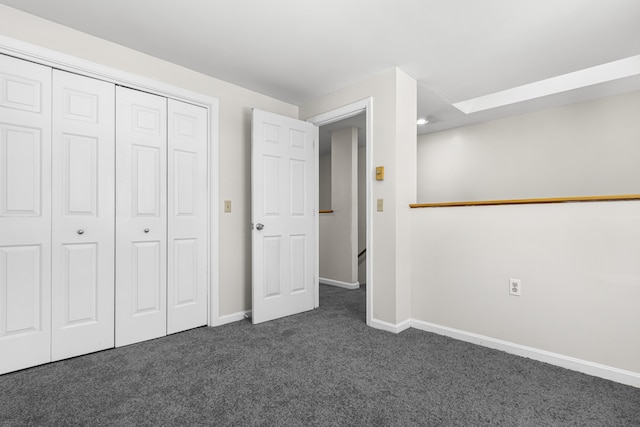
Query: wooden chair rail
x,y
616,197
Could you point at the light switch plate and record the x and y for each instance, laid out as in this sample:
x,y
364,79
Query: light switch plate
x,y
227,206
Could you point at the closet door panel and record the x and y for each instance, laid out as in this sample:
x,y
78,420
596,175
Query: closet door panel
x,y
25,214
187,222
83,215
146,278
141,219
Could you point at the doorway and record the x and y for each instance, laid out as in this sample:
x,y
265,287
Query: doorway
x,y
342,202
360,108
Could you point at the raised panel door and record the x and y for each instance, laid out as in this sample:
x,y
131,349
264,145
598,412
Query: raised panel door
x,y
284,205
141,216
25,214
83,213
187,217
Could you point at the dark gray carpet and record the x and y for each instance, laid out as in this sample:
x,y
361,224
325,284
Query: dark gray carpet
x,y
325,367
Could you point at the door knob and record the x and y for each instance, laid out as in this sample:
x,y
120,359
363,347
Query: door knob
x,y
260,226
81,231
146,230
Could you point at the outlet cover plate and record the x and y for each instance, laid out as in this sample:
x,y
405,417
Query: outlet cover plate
x,y
515,287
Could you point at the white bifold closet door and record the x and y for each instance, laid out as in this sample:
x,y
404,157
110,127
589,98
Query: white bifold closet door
x,y
187,217
161,216
83,208
103,215
25,214
141,216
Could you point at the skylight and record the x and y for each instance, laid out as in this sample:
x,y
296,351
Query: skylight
x,y
619,69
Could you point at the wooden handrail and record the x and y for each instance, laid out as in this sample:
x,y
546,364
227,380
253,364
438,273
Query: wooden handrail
x,y
326,211
616,197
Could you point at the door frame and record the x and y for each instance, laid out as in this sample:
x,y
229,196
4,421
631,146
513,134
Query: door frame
x,y
344,112
61,61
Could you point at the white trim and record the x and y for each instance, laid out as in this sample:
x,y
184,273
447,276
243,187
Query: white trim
x,y
340,113
214,209
390,327
61,61
234,317
584,366
350,110
339,284
316,212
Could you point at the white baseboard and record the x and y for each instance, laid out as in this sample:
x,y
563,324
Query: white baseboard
x,y
586,367
234,317
338,283
590,368
390,327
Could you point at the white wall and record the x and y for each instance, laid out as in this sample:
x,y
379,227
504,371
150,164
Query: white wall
x,y
578,262
582,149
325,203
324,181
235,104
405,189
393,146
339,230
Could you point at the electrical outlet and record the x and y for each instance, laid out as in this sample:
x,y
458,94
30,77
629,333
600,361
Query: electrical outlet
x,y
515,287
380,205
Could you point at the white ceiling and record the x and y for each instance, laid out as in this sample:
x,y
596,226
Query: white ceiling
x,y
297,50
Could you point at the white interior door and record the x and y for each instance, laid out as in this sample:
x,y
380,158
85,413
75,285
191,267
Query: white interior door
x,y
187,217
141,216
25,214
83,209
284,200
